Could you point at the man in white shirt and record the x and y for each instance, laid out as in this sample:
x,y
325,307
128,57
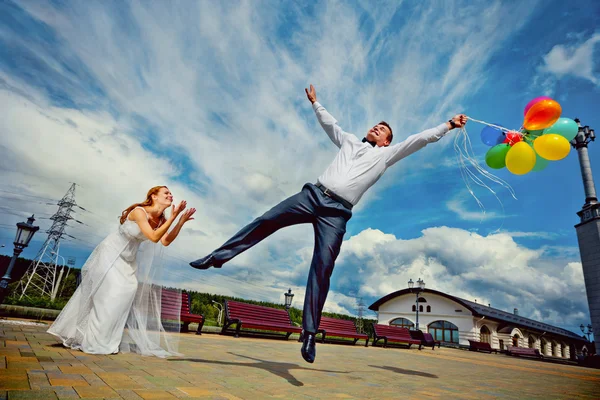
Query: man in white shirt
x,y
328,205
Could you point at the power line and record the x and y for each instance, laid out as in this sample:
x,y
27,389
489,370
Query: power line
x,y
28,195
10,210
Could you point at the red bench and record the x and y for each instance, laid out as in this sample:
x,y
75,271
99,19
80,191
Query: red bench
x,y
172,307
340,328
428,340
393,334
251,316
523,351
425,338
480,346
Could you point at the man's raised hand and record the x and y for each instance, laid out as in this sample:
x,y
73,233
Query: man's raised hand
x,y
312,94
460,120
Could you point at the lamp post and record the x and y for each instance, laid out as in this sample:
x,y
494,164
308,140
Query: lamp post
x,y
288,299
420,287
590,330
25,231
220,308
588,229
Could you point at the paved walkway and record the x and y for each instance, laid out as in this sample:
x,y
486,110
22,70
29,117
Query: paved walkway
x,y
34,366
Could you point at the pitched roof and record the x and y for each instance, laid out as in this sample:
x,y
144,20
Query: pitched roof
x,y
480,310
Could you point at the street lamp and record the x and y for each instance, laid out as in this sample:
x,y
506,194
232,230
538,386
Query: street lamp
x,y
580,142
590,330
588,229
420,288
25,231
288,299
220,308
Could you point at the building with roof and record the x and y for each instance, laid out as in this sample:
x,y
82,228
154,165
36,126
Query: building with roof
x,y
455,321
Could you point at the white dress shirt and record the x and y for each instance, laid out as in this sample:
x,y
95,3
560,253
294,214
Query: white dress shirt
x,y
358,165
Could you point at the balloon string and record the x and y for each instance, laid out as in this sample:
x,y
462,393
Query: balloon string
x,y
466,160
488,124
503,129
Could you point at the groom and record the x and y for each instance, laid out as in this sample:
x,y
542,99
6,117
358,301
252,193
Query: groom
x,y
327,205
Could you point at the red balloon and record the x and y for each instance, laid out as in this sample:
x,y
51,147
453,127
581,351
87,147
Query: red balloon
x,y
512,138
542,114
534,101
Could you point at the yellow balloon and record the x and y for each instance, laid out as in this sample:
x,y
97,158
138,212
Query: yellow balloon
x,y
552,146
520,159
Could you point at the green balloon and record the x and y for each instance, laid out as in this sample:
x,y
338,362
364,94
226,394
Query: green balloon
x,y
535,134
565,127
540,162
495,157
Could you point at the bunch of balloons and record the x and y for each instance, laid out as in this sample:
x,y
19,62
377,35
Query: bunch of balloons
x,y
544,137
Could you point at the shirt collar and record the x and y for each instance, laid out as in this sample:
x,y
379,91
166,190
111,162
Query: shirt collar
x,y
368,141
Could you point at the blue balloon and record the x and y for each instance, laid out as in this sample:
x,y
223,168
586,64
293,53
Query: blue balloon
x,y
492,136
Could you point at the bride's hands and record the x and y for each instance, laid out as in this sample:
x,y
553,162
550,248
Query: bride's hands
x,y
187,215
177,209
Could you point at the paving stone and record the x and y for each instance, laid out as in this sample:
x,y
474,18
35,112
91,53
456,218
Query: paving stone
x,y
67,369
128,394
13,382
86,392
154,394
59,379
66,393
32,395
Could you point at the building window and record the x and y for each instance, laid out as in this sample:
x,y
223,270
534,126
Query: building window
x,y
414,308
420,308
485,335
531,341
444,331
428,308
501,342
402,323
422,300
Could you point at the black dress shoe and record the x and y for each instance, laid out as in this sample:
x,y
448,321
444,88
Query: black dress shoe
x,y
308,349
206,263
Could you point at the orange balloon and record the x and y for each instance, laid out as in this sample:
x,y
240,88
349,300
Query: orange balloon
x,y
542,115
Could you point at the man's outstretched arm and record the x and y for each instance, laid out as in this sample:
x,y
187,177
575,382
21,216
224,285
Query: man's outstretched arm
x,y
416,142
329,124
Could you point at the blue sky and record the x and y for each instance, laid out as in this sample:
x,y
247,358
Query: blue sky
x,y
208,98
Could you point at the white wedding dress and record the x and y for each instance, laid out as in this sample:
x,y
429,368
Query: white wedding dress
x,y
117,305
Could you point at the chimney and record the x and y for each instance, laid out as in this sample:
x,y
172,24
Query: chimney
x,y
516,311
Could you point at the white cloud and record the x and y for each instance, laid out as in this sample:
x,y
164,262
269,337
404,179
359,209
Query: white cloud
x,y
458,206
576,60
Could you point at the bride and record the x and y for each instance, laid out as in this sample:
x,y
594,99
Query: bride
x,y
117,305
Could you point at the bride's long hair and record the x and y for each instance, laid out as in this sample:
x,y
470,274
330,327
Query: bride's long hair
x,y
146,203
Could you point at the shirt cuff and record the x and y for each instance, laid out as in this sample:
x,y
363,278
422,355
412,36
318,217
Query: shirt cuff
x,y
443,129
316,105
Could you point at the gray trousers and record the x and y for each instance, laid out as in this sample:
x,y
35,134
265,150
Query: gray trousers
x,y
328,218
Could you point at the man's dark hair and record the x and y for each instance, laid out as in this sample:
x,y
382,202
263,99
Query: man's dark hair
x,y
391,135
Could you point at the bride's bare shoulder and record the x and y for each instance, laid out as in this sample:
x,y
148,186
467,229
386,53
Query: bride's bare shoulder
x,y
137,214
